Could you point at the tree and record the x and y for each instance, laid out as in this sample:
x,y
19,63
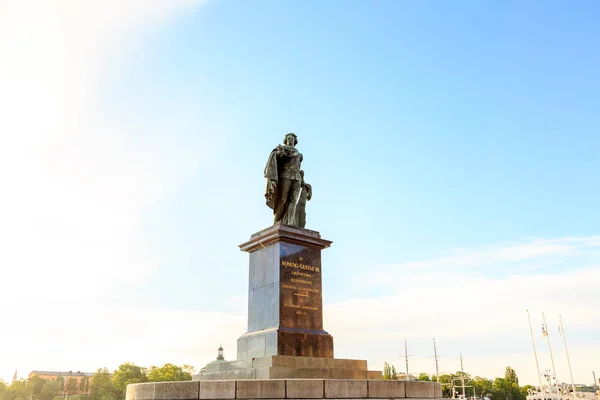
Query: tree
x,y
84,384
20,389
35,384
102,386
72,385
50,390
168,372
394,374
389,372
423,376
482,386
126,374
525,391
446,382
2,387
510,376
503,389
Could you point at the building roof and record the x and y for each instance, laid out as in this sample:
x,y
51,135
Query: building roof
x,y
62,373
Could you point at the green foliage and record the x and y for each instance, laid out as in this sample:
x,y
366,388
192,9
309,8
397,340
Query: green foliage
x,y
102,386
36,384
525,391
424,377
72,385
482,386
389,372
84,384
8,395
506,389
168,372
18,389
126,374
50,390
511,376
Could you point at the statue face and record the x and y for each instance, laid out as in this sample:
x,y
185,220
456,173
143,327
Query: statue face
x,y
289,141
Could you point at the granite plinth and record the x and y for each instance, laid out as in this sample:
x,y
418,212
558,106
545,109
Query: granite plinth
x,y
285,342
284,389
285,303
281,367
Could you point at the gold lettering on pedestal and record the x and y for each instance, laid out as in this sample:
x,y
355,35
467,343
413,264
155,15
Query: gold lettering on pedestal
x,y
303,307
304,274
289,264
301,281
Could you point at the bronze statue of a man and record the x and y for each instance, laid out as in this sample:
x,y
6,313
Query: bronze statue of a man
x,y
285,182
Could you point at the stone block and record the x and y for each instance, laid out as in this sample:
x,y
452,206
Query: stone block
x,y
130,392
348,374
346,388
187,390
217,390
380,389
241,374
420,389
140,391
305,388
261,389
438,391
374,375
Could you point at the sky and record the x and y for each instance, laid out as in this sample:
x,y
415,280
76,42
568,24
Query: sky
x,y
451,147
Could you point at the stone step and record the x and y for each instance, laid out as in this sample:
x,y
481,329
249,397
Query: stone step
x,y
284,389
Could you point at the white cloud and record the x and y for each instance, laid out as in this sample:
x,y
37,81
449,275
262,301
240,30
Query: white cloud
x,y
74,186
480,311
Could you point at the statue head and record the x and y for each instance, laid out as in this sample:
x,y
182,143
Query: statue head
x,y
290,139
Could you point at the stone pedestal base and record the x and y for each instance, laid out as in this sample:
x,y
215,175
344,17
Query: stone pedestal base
x,y
285,389
285,342
285,304
280,367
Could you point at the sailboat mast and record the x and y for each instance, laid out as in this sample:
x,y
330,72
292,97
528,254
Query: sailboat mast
x,y
462,375
537,364
562,332
550,348
437,370
406,356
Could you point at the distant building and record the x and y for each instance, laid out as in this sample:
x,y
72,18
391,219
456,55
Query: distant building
x,y
213,364
72,382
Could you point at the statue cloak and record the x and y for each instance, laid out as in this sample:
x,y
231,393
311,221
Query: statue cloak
x,y
272,178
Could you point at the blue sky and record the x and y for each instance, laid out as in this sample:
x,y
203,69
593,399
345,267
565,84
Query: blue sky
x,y
451,146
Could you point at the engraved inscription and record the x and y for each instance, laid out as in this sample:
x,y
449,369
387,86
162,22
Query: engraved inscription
x,y
300,285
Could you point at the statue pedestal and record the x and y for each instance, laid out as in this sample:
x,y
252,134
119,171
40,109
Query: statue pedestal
x,y
285,337
285,303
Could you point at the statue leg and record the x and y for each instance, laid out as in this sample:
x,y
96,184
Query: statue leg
x,y
282,196
301,210
289,218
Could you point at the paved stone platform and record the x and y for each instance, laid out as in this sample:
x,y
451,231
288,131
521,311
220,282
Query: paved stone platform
x,y
284,389
288,367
